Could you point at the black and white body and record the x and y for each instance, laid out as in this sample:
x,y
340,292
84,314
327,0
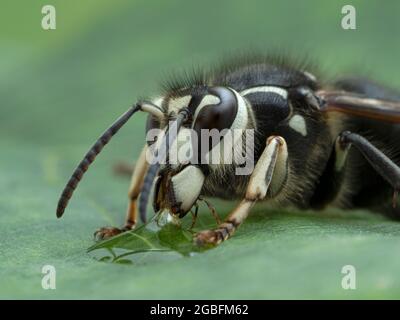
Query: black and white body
x,y
303,133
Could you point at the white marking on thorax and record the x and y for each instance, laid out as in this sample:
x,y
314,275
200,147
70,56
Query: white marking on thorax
x,y
282,92
298,124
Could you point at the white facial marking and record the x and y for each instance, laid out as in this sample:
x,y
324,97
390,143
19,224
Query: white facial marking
x,y
153,109
298,124
282,92
207,100
158,101
180,151
240,123
187,185
242,116
177,104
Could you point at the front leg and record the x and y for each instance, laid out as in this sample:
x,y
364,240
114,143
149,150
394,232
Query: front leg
x,y
134,191
272,160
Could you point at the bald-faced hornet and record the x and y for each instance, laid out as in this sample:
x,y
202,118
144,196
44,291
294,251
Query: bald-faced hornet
x,y
303,133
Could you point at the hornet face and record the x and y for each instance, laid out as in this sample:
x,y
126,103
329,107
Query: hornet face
x,y
209,109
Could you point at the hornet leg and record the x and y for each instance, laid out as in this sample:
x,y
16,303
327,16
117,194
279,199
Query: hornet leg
x,y
133,194
273,155
383,165
332,179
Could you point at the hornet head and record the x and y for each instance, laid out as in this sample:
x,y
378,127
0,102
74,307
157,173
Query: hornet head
x,y
201,117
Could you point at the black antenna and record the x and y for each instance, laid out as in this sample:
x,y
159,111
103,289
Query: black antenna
x,y
153,169
89,158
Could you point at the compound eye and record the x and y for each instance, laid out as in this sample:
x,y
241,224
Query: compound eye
x,y
220,115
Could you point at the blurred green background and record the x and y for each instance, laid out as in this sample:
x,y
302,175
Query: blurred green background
x,y
60,89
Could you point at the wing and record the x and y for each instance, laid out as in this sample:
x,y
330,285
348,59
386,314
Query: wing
x,y
359,105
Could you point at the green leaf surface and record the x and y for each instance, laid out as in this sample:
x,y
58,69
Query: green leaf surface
x,y
60,89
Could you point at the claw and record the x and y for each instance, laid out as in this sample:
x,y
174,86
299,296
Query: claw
x,y
209,238
216,236
106,233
